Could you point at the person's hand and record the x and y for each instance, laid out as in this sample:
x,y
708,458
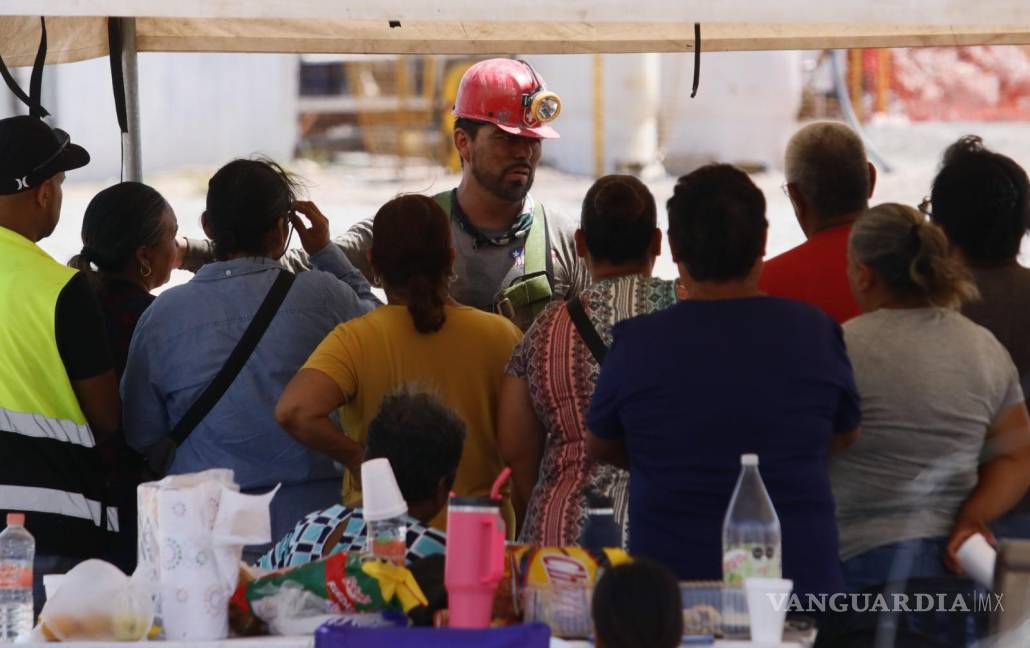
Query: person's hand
x,y
315,237
354,467
967,525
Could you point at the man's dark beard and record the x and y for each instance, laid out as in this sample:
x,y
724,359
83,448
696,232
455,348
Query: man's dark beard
x,y
509,191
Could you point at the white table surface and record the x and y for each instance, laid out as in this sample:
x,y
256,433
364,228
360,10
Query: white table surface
x,y
309,642
721,643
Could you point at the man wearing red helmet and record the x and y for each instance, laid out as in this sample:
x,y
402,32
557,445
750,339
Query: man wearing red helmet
x,y
511,255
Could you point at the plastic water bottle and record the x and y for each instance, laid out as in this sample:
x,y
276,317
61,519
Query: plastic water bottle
x,y
387,540
751,529
17,550
385,513
600,530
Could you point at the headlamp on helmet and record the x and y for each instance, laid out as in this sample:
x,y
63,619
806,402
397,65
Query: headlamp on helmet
x,y
541,105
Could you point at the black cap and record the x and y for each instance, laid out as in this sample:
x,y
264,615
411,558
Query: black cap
x,y
31,152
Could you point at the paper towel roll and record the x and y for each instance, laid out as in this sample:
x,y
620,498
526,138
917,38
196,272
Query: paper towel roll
x,y
192,531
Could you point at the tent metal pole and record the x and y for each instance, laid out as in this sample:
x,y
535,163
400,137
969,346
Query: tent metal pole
x,y
132,154
839,59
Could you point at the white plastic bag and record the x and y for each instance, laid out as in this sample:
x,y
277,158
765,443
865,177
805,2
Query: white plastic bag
x,y
97,602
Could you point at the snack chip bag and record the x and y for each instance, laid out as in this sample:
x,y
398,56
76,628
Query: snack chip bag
x,y
539,568
340,584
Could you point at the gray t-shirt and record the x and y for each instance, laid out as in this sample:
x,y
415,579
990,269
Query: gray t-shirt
x,y
481,272
931,383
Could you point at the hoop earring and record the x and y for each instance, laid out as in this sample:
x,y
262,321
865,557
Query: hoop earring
x,y
144,270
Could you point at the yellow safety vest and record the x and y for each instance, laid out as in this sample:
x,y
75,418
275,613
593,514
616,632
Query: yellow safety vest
x,y
34,387
49,467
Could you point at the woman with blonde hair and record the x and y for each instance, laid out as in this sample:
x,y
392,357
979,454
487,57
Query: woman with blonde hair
x,y
937,391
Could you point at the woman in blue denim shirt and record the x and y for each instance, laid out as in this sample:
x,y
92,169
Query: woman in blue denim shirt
x,y
185,337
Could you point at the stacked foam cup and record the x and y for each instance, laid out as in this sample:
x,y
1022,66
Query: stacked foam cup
x,y
767,602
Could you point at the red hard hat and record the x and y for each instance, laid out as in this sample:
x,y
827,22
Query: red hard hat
x,y
510,95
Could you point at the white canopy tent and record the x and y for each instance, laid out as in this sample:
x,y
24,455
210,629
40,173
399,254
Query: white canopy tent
x,y
79,29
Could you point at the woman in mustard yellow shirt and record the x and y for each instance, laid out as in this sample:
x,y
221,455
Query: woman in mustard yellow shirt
x,y
422,337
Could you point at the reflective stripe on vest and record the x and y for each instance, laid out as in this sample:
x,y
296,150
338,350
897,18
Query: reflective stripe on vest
x,y
41,427
49,500
36,395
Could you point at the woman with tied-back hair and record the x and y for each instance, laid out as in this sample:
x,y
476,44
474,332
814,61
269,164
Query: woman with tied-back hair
x,y
552,373
188,333
422,336
128,237
128,249
938,392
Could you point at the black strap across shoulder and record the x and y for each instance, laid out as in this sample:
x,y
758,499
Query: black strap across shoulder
x,y
239,356
586,329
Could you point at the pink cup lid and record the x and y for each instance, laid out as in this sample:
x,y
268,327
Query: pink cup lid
x,y
15,519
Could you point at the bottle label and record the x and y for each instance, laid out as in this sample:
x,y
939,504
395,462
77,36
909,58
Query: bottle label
x,y
389,549
15,575
750,560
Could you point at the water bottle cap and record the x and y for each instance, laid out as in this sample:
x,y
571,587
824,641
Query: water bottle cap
x,y
748,460
15,519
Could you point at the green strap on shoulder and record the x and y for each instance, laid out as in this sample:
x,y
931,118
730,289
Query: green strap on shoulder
x,y
536,242
444,200
528,295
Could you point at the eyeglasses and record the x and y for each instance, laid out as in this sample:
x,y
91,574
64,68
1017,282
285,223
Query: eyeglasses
x,y
785,190
926,206
289,224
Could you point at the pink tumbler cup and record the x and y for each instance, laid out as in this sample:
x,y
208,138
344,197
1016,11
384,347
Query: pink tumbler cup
x,y
474,560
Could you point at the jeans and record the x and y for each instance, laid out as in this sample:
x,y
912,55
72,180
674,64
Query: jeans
x,y
918,558
917,567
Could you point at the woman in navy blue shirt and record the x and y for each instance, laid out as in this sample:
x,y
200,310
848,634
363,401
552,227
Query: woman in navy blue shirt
x,y
685,391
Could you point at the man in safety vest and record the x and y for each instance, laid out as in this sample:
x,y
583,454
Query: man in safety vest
x,y
512,256
58,392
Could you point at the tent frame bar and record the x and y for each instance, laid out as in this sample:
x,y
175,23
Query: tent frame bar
x,y
132,150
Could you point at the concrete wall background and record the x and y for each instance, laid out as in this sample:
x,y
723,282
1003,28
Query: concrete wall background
x,y
196,109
